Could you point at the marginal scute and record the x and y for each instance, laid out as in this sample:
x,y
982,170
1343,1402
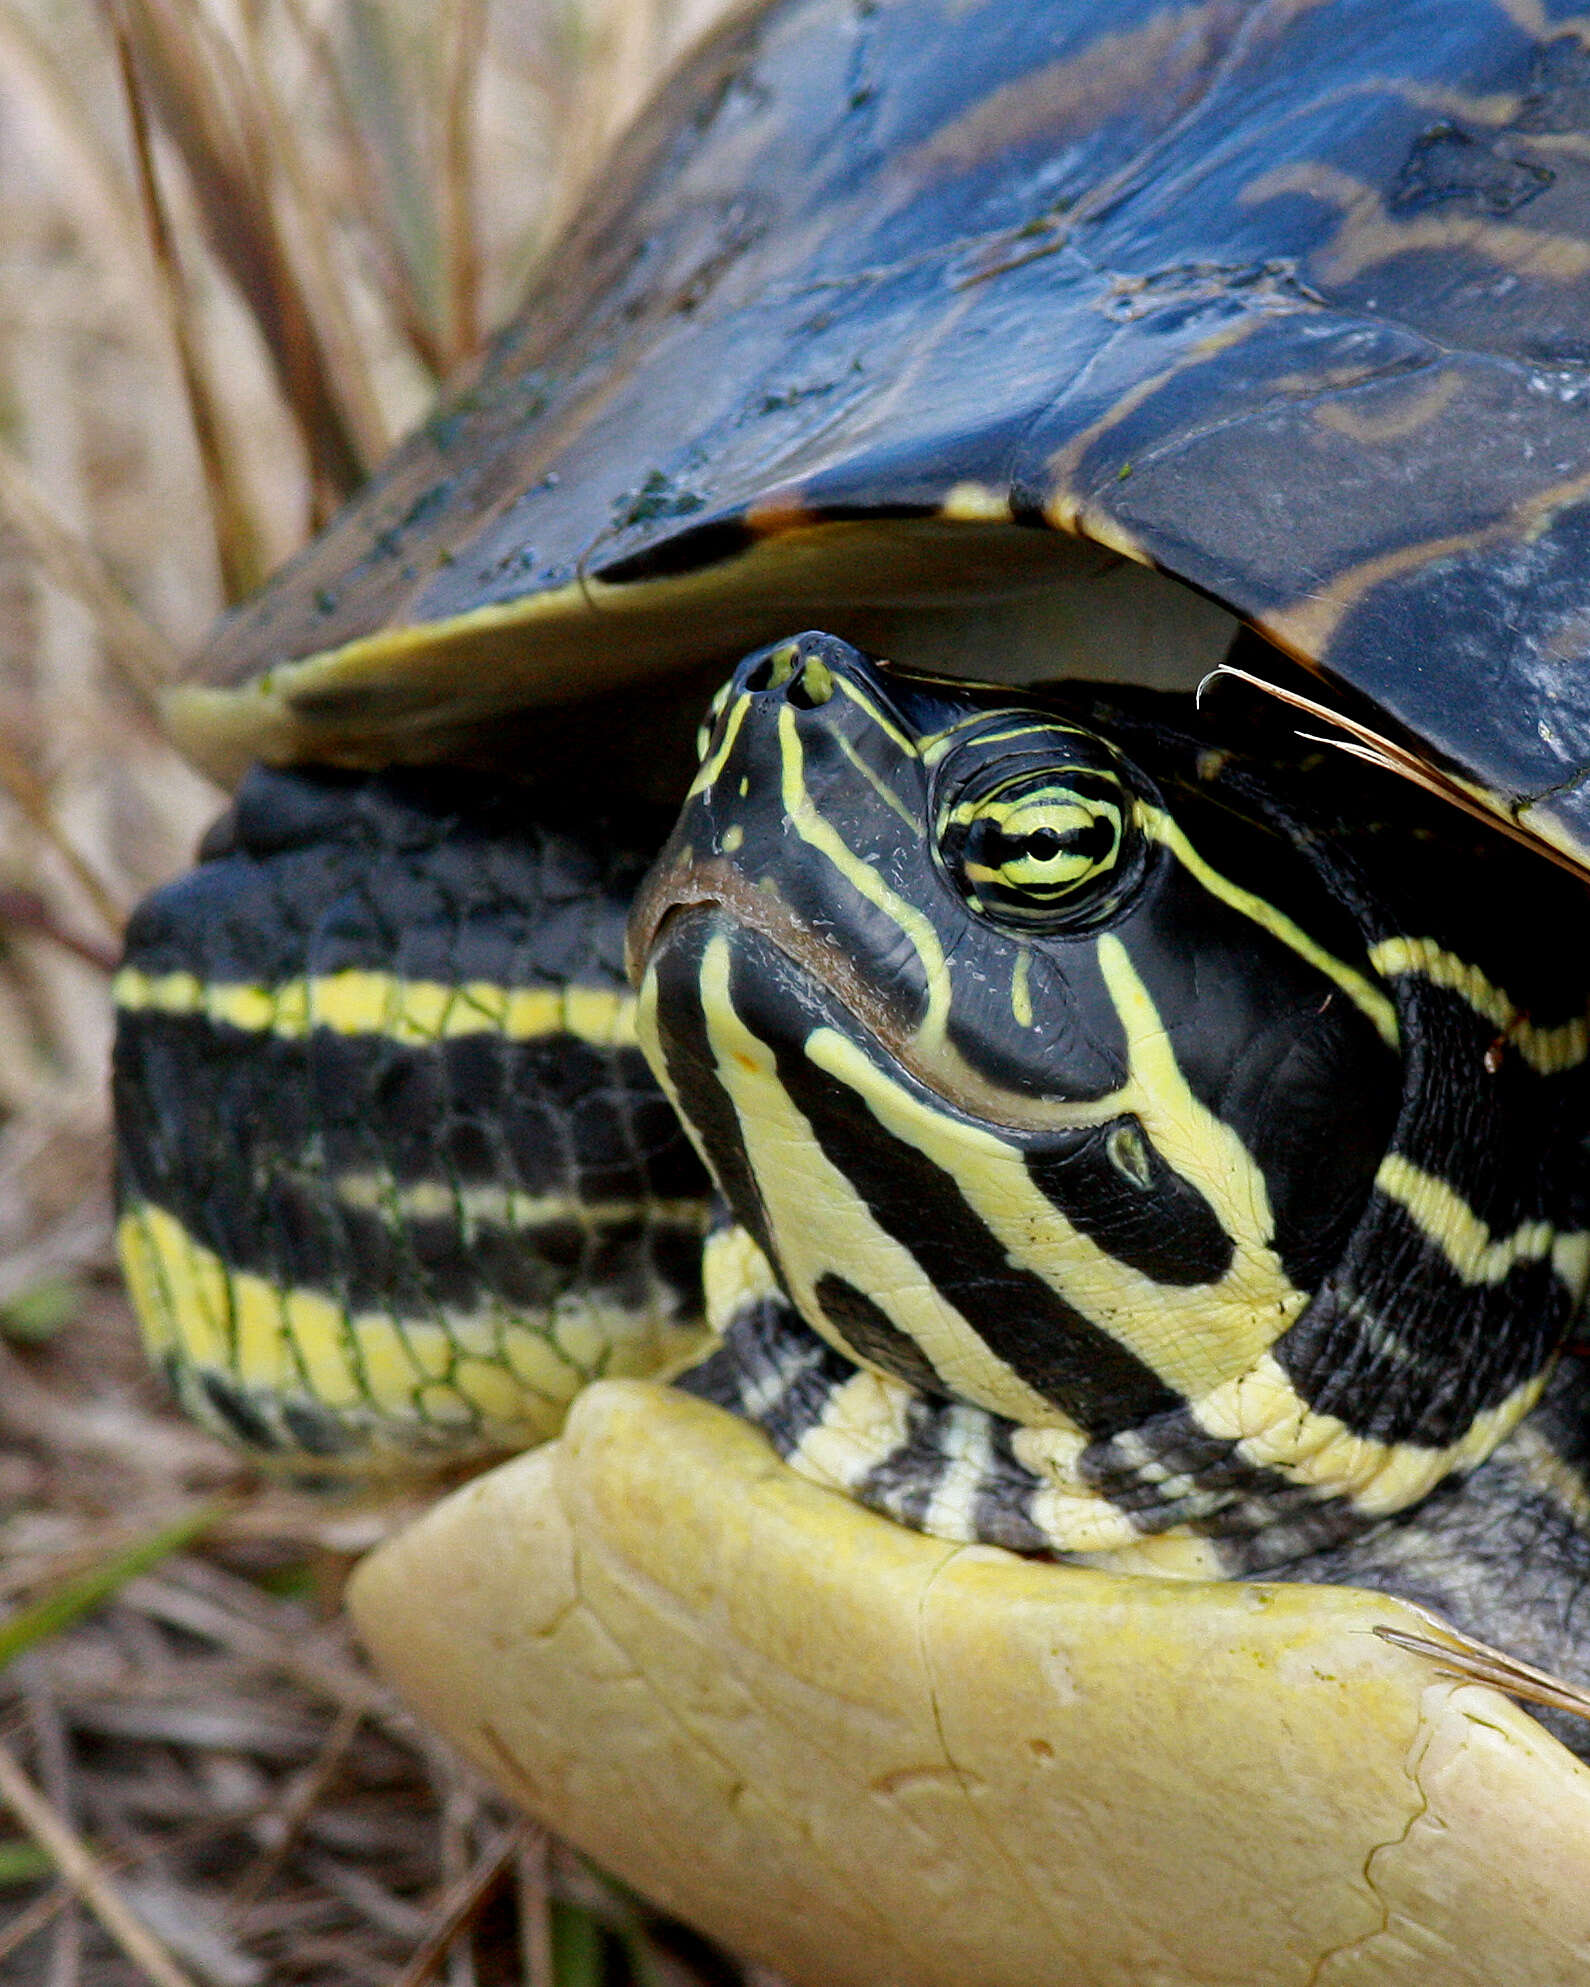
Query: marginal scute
x,y
944,1766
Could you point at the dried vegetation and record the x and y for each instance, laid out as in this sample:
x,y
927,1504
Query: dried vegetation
x,y
240,243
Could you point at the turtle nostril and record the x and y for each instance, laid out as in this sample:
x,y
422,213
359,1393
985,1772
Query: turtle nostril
x,y
773,670
811,685
805,679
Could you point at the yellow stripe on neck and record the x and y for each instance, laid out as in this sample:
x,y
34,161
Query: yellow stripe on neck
x,y
1478,1256
1359,989
1548,1051
501,1377
1275,1428
361,1002
495,1203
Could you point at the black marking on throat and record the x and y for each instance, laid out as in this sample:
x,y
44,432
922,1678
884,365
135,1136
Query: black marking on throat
x,y
872,1335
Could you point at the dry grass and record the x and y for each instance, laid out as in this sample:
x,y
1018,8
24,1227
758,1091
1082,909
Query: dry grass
x,y
240,241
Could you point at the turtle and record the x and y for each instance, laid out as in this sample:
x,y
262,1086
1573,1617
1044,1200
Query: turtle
x,y
1086,1133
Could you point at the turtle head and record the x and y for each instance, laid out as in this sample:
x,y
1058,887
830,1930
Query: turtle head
x,y
1041,1082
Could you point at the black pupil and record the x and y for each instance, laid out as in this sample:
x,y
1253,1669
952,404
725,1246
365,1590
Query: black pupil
x,y
1092,842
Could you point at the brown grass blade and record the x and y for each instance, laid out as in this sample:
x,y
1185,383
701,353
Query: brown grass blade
x,y
35,1919
211,114
86,179
621,64
144,656
380,236
396,118
465,48
325,293
533,1892
1468,1660
305,1798
323,1675
32,801
1375,749
636,32
458,1909
236,541
52,1752
26,910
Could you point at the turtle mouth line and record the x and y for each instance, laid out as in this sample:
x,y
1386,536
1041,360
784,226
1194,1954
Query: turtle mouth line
x,y
687,885
715,885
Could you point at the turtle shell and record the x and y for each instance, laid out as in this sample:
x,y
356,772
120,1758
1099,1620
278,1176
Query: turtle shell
x,y
949,1767
887,300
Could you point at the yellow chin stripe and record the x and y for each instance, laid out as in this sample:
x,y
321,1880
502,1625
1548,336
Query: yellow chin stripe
x,y
357,1002
1275,1428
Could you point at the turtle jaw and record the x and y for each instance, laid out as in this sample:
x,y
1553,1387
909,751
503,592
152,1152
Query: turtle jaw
x,y
679,887
779,1081
856,1179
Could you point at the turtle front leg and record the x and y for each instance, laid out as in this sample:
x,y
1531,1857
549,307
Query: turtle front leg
x,y
394,1179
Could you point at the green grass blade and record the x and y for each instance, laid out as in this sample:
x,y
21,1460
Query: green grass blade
x,y
578,1947
80,1595
23,1863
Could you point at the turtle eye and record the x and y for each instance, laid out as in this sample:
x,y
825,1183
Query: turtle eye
x,y
1044,850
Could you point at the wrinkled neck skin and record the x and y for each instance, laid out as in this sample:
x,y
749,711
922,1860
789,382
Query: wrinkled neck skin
x,y
1133,1098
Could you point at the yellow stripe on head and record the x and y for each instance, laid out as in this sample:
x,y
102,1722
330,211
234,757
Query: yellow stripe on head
x,y
818,1219
1362,992
1191,1336
915,926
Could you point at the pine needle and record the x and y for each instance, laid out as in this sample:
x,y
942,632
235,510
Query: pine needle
x,y
1468,1660
82,1870
1374,748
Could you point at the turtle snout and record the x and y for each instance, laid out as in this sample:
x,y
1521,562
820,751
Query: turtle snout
x,y
802,671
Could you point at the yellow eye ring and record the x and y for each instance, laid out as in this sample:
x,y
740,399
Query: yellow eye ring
x,y
1047,848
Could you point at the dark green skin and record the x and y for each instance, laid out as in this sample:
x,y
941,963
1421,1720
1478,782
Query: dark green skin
x,y
1291,301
